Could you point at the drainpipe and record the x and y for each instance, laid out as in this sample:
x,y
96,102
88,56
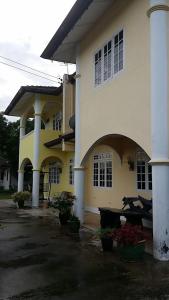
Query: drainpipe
x,y
159,47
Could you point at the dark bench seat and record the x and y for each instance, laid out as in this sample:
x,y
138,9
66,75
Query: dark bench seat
x,y
110,217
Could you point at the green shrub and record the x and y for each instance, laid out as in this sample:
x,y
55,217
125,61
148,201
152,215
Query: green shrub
x,y
64,202
21,197
105,232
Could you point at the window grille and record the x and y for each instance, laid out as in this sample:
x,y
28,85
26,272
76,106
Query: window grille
x,y
102,170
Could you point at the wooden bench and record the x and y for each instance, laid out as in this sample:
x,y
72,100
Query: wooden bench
x,y
110,217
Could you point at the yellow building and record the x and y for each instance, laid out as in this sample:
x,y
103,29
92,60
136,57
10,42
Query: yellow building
x,y
121,52
48,150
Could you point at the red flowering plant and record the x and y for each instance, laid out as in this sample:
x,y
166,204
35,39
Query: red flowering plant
x,y
129,235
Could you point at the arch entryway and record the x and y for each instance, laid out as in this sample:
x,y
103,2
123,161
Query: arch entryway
x,y
51,177
25,175
115,166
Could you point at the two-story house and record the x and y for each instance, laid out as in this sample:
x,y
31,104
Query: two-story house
x,y
121,52
47,151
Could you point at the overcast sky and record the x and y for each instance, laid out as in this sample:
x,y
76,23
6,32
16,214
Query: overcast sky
x,y
26,27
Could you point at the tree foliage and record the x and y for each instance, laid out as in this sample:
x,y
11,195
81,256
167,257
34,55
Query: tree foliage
x,y
9,141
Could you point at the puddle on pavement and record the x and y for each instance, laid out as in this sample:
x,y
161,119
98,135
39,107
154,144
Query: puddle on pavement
x,y
26,261
31,246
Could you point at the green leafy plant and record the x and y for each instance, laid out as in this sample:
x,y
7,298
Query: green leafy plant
x,y
64,202
21,197
105,232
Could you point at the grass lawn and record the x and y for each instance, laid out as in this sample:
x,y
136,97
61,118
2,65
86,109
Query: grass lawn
x,y
5,195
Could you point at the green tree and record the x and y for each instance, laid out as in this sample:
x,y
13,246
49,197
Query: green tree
x,y
3,134
9,141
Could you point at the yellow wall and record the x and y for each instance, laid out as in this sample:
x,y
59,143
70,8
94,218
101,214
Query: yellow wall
x,y
64,176
27,144
123,181
68,104
53,106
26,148
122,104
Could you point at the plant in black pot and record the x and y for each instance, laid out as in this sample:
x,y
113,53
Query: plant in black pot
x,y
64,204
21,197
74,224
105,235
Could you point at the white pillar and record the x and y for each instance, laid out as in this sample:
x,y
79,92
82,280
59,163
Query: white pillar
x,y
36,171
22,127
79,193
20,180
78,169
21,172
159,33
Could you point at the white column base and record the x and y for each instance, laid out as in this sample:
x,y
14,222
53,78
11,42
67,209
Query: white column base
x,y
160,175
79,193
35,189
20,180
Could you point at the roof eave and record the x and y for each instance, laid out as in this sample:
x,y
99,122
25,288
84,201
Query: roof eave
x,y
28,89
73,16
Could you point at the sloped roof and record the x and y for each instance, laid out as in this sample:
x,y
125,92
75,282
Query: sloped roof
x,y
81,18
47,90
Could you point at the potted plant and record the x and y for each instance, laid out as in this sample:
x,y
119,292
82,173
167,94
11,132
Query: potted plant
x,y
105,235
64,204
74,224
130,241
20,198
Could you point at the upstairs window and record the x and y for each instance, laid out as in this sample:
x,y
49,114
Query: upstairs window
x,y
102,170
107,60
118,52
144,172
57,121
98,67
110,59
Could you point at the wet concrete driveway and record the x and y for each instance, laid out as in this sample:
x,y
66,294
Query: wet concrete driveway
x,y
39,260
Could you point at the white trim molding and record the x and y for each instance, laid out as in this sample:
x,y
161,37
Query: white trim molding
x,y
91,209
154,8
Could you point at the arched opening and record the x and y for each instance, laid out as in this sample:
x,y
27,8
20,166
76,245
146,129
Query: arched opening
x,y
51,177
27,167
115,166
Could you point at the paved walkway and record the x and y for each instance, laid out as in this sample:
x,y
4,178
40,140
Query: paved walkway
x,y
40,260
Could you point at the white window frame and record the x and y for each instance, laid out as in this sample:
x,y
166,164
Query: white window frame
x,y
57,121
108,75
100,162
118,53
98,79
113,74
142,163
54,174
71,172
